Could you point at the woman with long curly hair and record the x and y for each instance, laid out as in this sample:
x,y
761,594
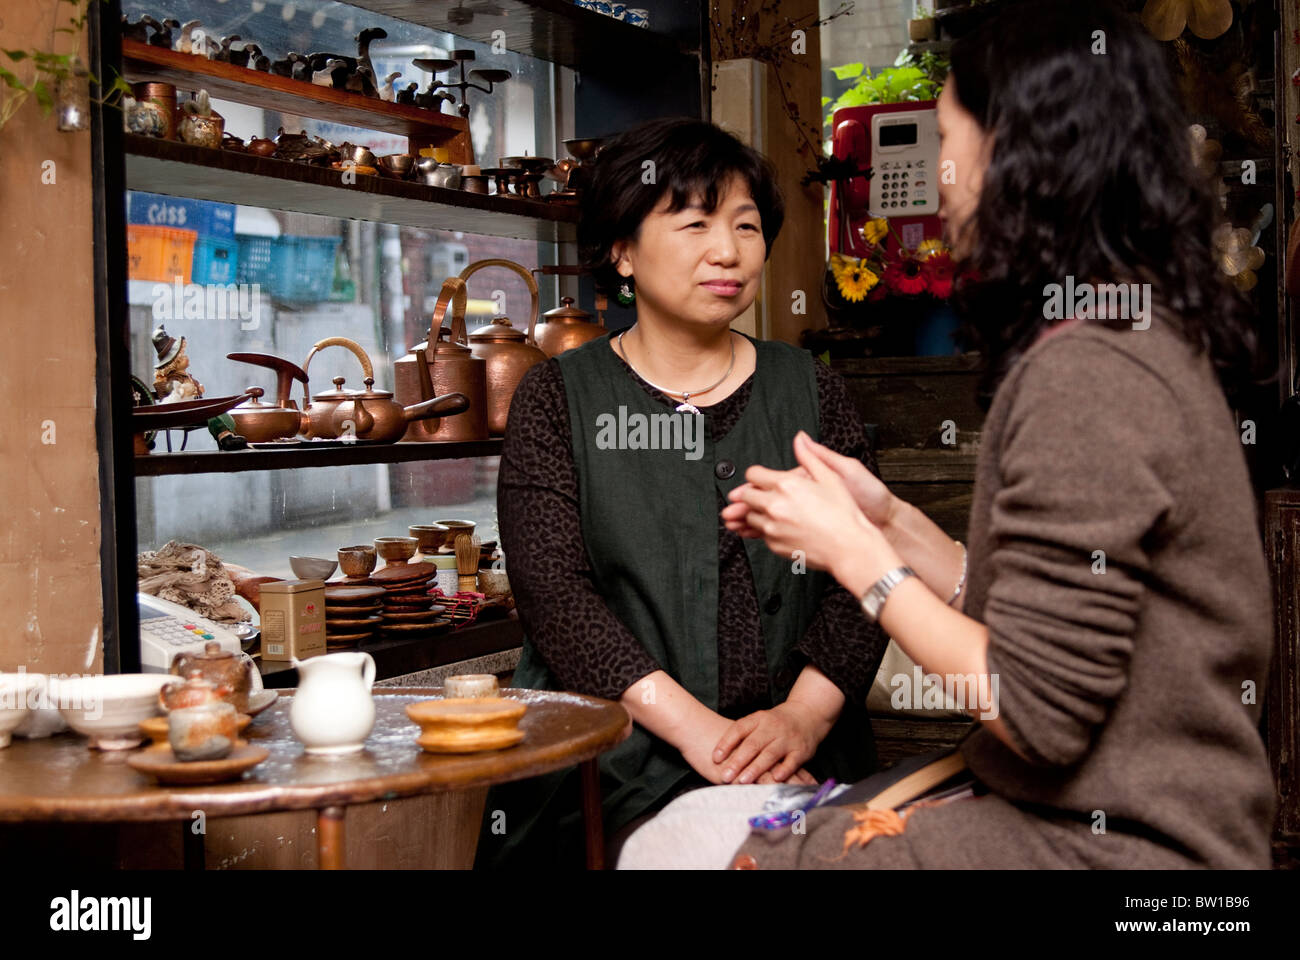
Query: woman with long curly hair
x,y
1115,594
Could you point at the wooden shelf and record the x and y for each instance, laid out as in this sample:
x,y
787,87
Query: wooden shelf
x,y
553,30
140,61
395,658
184,170
238,461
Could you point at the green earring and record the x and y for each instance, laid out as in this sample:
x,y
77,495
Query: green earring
x,y
625,295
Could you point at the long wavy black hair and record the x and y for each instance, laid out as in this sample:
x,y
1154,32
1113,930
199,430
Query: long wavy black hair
x,y
1091,175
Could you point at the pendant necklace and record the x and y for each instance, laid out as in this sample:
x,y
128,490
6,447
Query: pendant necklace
x,y
685,406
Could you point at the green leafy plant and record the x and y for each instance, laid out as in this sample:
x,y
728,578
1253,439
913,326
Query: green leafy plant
x,y
909,79
50,69
923,13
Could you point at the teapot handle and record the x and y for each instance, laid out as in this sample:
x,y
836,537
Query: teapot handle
x,y
528,279
366,368
454,293
368,670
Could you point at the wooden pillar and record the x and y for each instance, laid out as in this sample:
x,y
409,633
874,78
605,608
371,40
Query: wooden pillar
x,y
749,98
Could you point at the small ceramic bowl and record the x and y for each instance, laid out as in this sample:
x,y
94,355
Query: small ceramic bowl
x,y
313,568
359,561
493,583
457,528
18,692
396,550
108,709
431,536
467,686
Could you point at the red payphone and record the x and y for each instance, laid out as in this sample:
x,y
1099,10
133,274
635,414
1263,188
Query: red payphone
x,y
900,142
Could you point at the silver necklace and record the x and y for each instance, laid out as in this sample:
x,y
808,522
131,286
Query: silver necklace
x,y
685,406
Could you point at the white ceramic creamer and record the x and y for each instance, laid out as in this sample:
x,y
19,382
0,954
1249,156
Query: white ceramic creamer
x,y
333,710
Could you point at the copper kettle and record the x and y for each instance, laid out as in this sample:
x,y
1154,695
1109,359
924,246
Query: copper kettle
x,y
566,326
375,415
509,352
452,367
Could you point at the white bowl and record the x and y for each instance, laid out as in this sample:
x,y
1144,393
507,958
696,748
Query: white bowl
x,y
108,709
313,568
14,698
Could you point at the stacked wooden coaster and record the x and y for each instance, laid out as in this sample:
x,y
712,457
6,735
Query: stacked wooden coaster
x,y
408,610
351,614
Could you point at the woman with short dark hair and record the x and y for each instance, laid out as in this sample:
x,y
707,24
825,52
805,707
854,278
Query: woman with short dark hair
x,y
736,665
1115,598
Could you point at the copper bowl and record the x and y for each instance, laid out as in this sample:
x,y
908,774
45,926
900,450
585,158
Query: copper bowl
x,y
397,165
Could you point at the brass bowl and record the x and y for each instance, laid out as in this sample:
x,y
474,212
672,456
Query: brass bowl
x,y
397,165
584,148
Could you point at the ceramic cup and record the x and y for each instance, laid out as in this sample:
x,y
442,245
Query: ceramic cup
x,y
202,733
431,536
493,583
395,550
469,685
357,562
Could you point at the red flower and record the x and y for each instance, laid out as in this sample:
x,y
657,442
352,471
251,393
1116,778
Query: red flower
x,y
905,276
938,275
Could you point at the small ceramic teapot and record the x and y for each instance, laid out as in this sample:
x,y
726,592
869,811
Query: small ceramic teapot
x,y
333,710
221,667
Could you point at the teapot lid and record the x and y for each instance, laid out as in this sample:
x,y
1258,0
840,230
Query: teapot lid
x,y
255,402
567,311
370,393
338,393
498,331
213,651
445,346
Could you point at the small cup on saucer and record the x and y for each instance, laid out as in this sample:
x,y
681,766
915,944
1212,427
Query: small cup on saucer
x,y
206,732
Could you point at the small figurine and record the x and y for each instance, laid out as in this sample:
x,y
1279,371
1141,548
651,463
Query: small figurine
x,y
163,35
386,87
407,95
139,31
364,39
257,60
330,74
362,81
184,42
172,381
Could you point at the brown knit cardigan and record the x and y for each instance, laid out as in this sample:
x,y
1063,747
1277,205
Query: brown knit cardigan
x,y
1134,692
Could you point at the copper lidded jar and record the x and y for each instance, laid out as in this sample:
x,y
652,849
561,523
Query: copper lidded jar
x,y
452,367
566,327
509,352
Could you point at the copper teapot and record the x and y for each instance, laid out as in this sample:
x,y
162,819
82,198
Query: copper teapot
x,y
566,326
318,412
451,368
509,352
375,415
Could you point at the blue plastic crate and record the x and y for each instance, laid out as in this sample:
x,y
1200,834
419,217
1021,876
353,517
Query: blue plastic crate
x,y
206,217
215,260
294,269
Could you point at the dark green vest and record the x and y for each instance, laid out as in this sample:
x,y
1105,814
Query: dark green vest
x,y
648,486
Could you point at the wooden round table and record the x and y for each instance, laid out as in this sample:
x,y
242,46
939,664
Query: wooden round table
x,y
61,779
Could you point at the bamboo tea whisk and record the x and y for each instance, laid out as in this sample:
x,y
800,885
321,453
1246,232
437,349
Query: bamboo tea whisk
x,y
467,554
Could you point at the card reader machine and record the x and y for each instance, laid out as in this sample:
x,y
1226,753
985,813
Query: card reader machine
x,y
167,629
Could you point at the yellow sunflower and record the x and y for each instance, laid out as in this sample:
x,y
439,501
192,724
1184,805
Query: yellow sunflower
x,y
852,277
873,231
930,248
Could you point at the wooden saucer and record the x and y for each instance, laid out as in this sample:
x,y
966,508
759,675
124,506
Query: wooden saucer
x,y
350,637
467,725
405,573
408,607
343,595
340,626
359,610
160,763
413,628
423,616
420,589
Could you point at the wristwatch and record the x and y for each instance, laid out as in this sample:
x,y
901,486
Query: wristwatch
x,y
874,599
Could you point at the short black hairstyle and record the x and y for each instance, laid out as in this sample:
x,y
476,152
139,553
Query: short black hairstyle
x,y
692,158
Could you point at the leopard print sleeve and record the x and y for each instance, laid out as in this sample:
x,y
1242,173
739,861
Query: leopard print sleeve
x,y
840,641
586,647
